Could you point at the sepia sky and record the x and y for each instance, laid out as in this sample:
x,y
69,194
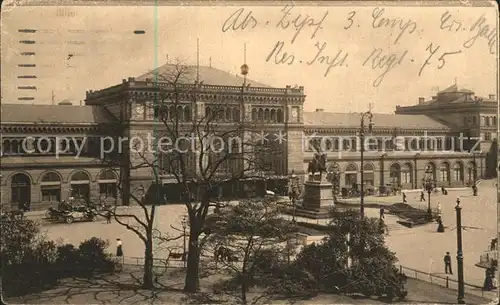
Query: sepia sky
x,y
372,62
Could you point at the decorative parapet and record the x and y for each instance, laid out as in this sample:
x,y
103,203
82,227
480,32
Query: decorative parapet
x,y
131,83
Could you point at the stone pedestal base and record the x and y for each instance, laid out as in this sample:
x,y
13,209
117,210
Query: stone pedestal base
x,y
318,193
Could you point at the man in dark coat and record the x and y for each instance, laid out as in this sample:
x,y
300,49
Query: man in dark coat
x,y
447,263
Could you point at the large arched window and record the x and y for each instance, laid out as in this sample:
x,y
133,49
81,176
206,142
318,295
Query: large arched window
x,y
395,174
407,173
471,172
20,189
351,175
458,171
107,184
444,172
279,116
50,186
368,174
236,114
80,185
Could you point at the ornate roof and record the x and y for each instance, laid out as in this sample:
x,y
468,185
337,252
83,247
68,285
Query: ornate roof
x,y
208,75
455,89
22,113
381,120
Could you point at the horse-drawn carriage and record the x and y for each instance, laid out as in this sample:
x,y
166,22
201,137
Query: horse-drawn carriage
x,y
69,213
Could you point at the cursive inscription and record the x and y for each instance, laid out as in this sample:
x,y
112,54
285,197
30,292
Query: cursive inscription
x,y
239,20
299,22
338,60
278,56
350,18
397,23
447,23
482,29
384,62
434,51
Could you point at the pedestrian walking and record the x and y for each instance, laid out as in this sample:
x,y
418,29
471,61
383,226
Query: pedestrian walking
x,y
382,212
404,198
447,263
119,248
493,244
422,196
108,217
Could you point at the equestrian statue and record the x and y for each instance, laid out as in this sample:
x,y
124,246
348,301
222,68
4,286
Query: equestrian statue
x,y
317,164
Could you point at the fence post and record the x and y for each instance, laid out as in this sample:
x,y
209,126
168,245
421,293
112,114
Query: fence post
x,y
447,284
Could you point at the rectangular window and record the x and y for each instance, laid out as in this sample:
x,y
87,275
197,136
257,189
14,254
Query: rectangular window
x,y
80,191
406,177
107,190
51,195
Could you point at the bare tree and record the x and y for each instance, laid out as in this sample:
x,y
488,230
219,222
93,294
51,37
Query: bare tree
x,y
248,238
201,149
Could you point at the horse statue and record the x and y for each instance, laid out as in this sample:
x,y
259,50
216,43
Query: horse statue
x,y
318,164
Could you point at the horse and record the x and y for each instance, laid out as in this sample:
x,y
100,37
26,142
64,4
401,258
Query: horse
x,y
317,164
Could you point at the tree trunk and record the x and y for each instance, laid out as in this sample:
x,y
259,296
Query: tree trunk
x,y
148,264
244,288
192,281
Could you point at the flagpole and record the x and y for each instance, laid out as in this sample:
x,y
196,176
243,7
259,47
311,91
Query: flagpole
x,y
197,60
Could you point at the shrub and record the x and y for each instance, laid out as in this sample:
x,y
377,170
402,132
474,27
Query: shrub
x,y
31,264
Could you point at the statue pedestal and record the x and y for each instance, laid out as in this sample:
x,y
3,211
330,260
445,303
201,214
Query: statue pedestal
x,y
318,193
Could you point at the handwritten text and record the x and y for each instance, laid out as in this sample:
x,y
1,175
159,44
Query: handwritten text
x,y
397,23
385,62
483,30
299,22
331,61
442,59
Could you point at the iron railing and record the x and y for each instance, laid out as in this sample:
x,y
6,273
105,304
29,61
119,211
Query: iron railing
x,y
445,281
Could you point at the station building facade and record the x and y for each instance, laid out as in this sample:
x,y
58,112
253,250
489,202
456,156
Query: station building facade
x,y
400,150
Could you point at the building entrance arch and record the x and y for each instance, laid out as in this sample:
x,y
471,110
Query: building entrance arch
x,y
20,186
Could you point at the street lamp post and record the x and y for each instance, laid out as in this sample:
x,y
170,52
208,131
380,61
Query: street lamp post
x,y
184,226
474,187
460,258
364,116
429,186
293,192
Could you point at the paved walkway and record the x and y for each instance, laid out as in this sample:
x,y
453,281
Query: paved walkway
x,y
423,248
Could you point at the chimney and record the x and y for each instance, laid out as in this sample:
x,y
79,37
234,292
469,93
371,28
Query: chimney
x,y
320,110
421,100
491,97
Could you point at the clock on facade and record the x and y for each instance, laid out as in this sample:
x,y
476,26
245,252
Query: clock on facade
x,y
139,109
